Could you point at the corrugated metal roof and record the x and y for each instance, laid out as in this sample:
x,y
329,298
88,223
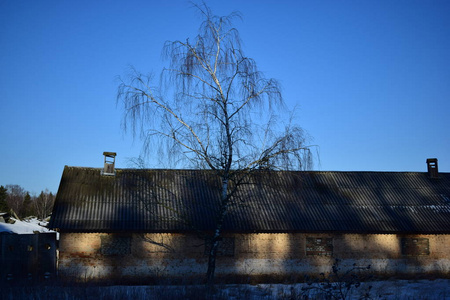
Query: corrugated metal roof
x,y
183,200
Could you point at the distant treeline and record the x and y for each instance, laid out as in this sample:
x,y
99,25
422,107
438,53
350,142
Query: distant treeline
x,y
14,197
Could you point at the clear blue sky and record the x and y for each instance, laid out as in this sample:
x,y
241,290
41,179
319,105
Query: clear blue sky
x,y
371,79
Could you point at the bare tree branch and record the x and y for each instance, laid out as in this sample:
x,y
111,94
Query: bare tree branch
x,y
213,109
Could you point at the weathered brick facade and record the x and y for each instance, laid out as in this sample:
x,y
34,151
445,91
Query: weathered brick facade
x,y
248,257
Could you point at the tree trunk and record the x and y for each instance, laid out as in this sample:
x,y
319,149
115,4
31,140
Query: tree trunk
x,y
218,233
212,261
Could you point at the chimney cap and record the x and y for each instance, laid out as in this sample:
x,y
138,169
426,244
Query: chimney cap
x,y
109,153
432,166
109,165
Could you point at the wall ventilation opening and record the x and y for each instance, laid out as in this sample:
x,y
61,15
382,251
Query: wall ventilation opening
x,y
109,164
432,164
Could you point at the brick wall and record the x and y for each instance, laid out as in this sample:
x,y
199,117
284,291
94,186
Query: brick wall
x,y
160,257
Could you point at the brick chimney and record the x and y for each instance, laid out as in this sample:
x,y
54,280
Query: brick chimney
x,y
432,164
109,165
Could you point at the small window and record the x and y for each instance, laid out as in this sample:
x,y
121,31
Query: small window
x,y
115,244
415,246
319,246
225,248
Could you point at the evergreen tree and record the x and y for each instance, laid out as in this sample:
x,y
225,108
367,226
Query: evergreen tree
x,y
3,205
27,208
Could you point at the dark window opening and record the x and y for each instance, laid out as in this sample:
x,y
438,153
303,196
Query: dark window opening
x,y
415,246
115,244
319,246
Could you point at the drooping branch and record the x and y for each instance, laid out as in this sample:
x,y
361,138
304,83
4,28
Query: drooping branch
x,y
213,108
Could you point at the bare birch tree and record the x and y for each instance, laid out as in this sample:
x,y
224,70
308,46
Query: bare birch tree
x,y
15,198
43,204
213,109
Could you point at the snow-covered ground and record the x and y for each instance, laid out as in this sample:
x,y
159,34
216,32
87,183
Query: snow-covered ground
x,y
26,226
389,290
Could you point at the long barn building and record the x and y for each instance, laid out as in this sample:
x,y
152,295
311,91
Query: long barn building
x,y
149,225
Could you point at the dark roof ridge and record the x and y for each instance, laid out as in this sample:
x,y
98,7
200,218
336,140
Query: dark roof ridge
x,y
305,171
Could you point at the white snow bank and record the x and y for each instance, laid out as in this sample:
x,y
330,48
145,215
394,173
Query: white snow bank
x,y
27,226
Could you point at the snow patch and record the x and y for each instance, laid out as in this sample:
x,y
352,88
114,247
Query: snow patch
x,y
27,226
